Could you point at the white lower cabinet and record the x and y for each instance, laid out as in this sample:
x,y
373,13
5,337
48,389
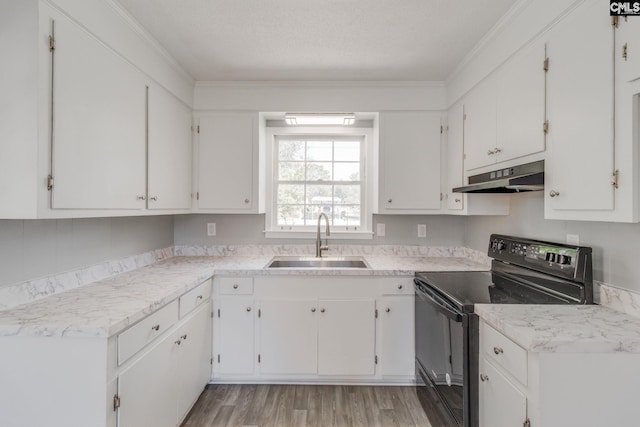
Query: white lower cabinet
x,y
302,328
501,403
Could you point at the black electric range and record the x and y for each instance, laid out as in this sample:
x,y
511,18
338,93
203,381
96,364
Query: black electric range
x,y
523,271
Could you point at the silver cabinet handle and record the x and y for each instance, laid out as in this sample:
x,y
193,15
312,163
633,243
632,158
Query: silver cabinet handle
x,y
141,198
390,201
498,350
490,152
184,337
388,309
322,310
248,308
313,310
178,342
484,377
400,287
246,200
497,150
235,286
156,327
154,198
554,193
199,297
457,200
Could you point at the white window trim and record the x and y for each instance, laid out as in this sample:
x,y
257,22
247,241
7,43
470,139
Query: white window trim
x,y
365,229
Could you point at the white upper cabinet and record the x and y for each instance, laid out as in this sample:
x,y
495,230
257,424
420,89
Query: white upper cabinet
x,y
98,147
409,162
227,160
628,49
480,125
580,106
169,152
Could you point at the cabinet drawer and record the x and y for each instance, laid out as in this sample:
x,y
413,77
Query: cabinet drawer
x,y
235,285
505,353
397,286
136,337
194,297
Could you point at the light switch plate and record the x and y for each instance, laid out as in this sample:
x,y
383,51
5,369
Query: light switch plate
x,y
211,229
381,229
573,239
422,230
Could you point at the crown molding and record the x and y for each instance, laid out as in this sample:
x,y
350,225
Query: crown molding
x,y
323,83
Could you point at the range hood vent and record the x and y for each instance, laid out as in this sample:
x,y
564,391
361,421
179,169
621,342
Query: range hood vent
x,y
516,179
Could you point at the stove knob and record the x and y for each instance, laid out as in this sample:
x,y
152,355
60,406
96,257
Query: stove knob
x,y
501,245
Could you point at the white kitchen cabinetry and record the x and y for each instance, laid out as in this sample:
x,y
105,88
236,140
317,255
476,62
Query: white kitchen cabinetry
x,y
501,403
627,51
346,337
169,153
288,336
98,143
580,160
236,352
396,321
409,160
227,158
480,124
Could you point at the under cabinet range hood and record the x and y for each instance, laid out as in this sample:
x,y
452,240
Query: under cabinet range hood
x,y
515,179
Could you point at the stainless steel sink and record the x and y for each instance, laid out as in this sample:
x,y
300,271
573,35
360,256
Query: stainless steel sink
x,y
311,262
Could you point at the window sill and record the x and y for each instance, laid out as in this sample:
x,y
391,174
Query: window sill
x,y
335,235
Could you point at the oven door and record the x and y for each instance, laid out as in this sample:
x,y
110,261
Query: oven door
x,y
441,357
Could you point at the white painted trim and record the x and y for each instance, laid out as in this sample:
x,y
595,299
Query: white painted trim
x,y
335,235
323,83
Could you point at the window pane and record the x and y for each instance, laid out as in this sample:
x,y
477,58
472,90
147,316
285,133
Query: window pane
x,y
319,150
290,215
291,171
346,151
291,150
290,194
347,172
319,195
313,212
347,194
347,215
319,171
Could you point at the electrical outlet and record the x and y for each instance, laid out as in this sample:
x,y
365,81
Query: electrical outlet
x,y
211,229
381,229
573,239
422,230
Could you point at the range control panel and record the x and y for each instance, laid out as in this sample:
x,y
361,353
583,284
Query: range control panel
x,y
548,257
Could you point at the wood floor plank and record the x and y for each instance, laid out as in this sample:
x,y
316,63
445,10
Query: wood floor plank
x,y
357,408
222,417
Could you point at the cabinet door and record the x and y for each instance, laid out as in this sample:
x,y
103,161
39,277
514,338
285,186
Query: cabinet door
x,y
480,125
236,354
99,125
397,351
410,160
580,162
169,152
521,104
628,49
194,358
288,336
346,337
147,389
455,159
501,403
227,166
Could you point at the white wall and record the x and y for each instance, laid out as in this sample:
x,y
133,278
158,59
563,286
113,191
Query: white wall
x,y
248,229
31,249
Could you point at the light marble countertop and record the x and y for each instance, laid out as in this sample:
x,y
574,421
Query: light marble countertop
x,y
564,328
105,308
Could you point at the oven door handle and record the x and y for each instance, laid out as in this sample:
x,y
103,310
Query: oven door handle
x,y
423,291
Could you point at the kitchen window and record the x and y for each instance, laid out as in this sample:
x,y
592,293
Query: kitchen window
x,y
314,173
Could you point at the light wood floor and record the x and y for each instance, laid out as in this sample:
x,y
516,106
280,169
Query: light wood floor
x,y
307,405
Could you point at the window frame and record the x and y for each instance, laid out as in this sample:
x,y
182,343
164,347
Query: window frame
x,y
364,230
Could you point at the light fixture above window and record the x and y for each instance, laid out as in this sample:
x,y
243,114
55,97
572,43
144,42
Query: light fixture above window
x,y
343,119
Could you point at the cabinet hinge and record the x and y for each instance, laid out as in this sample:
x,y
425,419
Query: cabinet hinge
x,y
376,314
546,65
211,361
49,182
624,51
441,129
375,359
259,312
526,423
615,21
545,127
218,313
52,44
212,314
258,358
441,197
615,176
195,129
218,357
116,402
198,195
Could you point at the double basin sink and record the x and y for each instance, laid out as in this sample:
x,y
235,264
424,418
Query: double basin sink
x,y
312,262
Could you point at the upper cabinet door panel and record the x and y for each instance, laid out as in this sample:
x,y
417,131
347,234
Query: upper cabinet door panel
x,y
628,49
580,101
480,125
226,170
99,110
521,104
455,159
410,161
169,151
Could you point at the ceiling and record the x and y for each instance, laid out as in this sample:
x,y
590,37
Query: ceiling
x,y
304,40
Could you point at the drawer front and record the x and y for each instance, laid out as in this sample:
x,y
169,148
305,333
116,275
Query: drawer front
x,y
235,285
195,297
397,286
142,333
505,353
